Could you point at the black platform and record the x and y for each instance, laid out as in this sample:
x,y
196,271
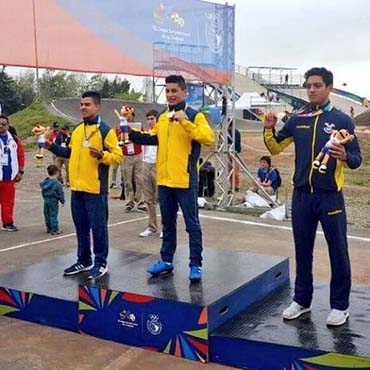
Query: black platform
x,y
263,323
165,313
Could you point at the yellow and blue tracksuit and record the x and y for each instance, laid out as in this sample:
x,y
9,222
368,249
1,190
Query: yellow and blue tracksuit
x,y
179,145
318,197
88,178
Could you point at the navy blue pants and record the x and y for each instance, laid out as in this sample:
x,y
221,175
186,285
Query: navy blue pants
x,y
307,210
169,201
51,208
90,212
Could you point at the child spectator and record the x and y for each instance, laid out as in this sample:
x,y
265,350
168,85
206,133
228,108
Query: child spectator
x,y
52,192
267,177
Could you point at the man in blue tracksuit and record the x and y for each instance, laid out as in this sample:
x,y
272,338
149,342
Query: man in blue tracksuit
x,y
318,196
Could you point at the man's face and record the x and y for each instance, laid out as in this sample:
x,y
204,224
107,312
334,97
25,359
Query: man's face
x,y
4,125
174,93
317,91
264,164
89,108
151,120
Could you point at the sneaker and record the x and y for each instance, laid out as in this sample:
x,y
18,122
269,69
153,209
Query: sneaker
x,y
56,232
160,267
113,186
294,311
142,208
10,228
195,274
76,268
337,317
147,232
161,235
97,272
129,208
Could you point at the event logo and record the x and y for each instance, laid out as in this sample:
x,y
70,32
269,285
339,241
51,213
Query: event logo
x,y
154,325
169,23
127,319
214,30
329,127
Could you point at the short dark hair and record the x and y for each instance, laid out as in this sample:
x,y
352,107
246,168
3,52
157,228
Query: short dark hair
x,y
3,116
176,79
55,124
266,158
152,112
94,95
326,75
52,170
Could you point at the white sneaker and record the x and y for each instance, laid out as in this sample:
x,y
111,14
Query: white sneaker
x,y
294,311
161,235
147,232
337,317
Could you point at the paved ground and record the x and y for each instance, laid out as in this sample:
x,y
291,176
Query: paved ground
x,y
29,346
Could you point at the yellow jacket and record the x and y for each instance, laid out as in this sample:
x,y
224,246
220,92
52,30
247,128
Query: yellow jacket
x,y
87,173
179,146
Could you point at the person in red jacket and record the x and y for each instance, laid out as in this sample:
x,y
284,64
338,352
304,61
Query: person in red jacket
x,y
11,171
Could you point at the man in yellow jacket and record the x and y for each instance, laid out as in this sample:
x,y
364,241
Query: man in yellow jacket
x,y
179,133
92,149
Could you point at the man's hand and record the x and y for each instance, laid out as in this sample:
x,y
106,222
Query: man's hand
x,y
270,120
96,153
48,144
178,116
338,151
18,177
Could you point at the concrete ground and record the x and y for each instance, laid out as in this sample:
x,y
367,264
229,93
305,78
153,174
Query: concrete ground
x,y
29,346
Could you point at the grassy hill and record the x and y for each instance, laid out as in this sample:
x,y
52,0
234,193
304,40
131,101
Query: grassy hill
x,y
27,118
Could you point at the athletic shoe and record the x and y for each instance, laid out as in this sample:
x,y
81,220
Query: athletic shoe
x,y
113,186
56,232
97,272
147,232
10,228
161,235
160,267
195,274
337,317
129,208
294,311
76,268
142,208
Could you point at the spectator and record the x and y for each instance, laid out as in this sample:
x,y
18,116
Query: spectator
x,y
179,133
52,193
233,164
352,112
133,170
11,171
92,149
318,197
62,139
267,177
149,178
286,79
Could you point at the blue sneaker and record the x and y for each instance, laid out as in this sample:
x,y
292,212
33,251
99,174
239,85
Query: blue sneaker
x,y
77,267
160,267
97,272
10,228
195,274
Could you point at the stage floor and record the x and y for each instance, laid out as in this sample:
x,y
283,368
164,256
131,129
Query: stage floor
x,y
263,323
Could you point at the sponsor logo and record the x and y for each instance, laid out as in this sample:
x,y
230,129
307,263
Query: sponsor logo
x,y
154,325
329,127
127,319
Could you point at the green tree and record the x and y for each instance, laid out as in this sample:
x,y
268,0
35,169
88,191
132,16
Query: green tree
x,y
9,98
26,87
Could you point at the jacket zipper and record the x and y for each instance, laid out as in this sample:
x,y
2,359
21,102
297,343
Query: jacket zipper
x,y
313,152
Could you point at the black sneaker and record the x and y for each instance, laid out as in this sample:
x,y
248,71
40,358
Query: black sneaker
x,y
10,228
97,272
76,268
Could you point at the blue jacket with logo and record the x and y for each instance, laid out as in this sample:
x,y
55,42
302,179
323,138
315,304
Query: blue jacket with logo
x,y
310,132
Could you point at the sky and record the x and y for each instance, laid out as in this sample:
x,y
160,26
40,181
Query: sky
x,y
303,34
